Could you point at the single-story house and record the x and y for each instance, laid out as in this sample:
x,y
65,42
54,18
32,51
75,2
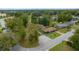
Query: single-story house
x,y
2,23
49,29
3,14
71,22
54,17
62,25
75,17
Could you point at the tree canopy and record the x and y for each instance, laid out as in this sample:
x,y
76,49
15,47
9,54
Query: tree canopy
x,y
64,17
75,40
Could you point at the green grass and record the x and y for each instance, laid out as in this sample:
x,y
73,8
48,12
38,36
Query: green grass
x,y
53,35
64,30
76,26
0,29
62,47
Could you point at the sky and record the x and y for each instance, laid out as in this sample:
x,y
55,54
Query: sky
x,y
39,4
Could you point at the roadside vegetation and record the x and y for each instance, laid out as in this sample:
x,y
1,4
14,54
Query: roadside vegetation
x,y
6,43
74,40
62,47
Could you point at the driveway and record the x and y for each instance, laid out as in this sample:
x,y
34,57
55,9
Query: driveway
x,y
61,38
45,43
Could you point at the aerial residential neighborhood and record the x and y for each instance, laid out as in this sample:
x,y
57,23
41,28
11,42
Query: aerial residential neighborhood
x,y
39,30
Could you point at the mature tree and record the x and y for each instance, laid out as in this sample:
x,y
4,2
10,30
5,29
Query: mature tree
x,y
64,17
24,17
44,20
35,18
31,37
77,13
75,40
6,42
10,24
77,31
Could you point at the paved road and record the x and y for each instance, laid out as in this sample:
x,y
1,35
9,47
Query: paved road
x,y
45,43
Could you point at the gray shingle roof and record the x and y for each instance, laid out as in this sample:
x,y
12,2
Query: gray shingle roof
x,y
66,24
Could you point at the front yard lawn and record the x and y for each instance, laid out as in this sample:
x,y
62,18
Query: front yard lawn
x,y
62,47
76,26
53,35
0,29
64,30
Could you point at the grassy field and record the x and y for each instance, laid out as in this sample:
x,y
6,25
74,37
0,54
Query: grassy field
x,y
76,26
62,47
53,35
0,29
63,30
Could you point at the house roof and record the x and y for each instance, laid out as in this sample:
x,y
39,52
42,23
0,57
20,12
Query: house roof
x,y
49,29
62,25
66,24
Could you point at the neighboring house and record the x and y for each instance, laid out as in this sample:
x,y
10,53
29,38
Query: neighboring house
x,y
54,17
75,17
3,14
11,17
61,25
71,22
66,24
40,16
49,29
2,23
